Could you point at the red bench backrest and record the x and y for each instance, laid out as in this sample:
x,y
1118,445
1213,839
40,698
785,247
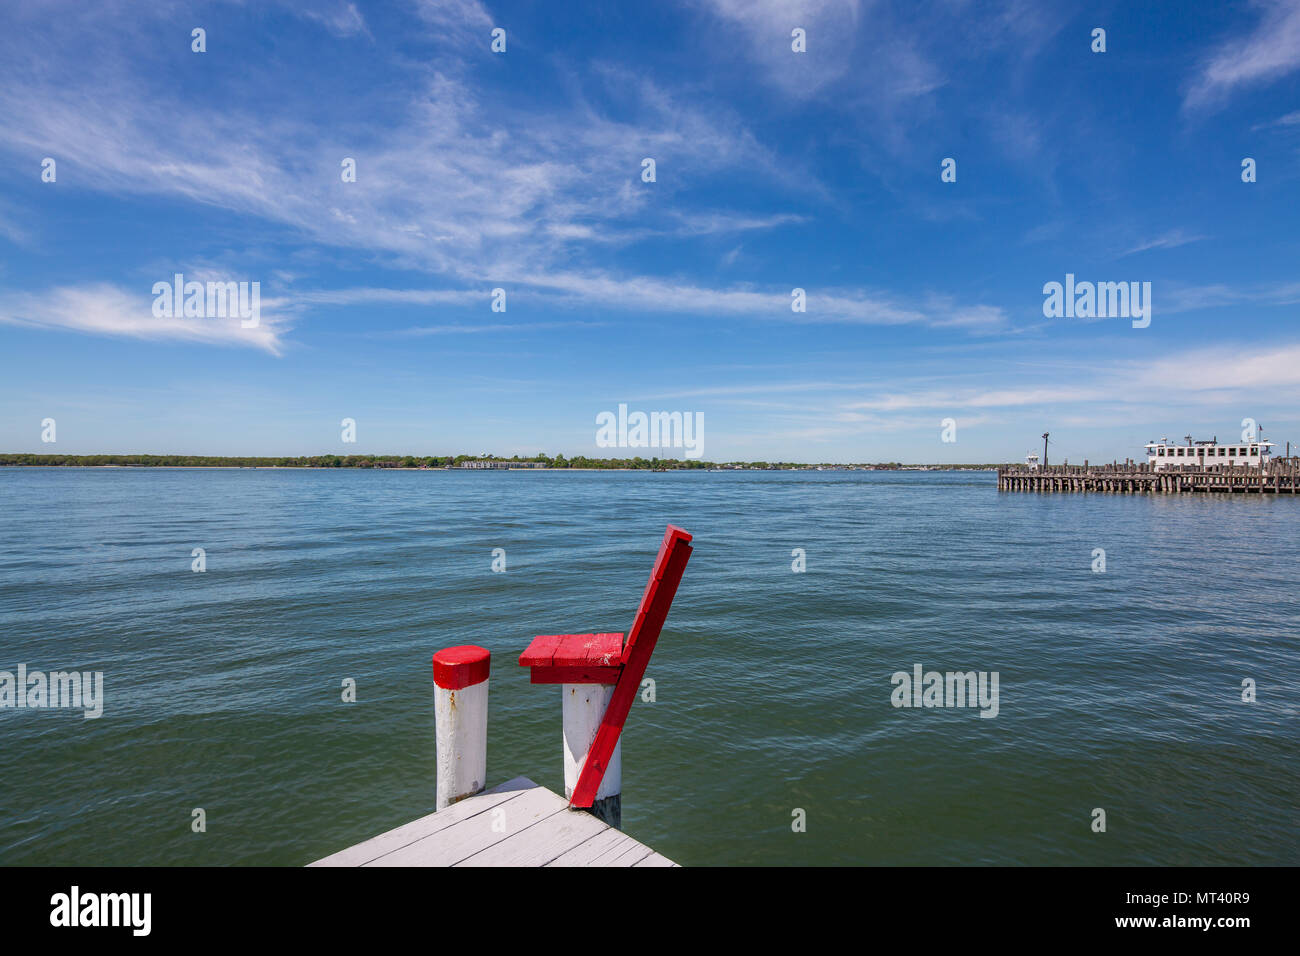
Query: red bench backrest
x,y
674,552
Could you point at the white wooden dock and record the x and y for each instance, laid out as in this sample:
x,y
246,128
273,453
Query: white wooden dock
x,y
518,823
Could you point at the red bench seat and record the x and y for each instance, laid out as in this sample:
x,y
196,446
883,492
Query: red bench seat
x,y
574,658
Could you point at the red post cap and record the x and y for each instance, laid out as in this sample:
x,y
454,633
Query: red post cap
x,y
462,666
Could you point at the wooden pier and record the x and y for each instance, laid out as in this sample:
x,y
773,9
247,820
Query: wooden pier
x,y
1280,477
520,823
516,824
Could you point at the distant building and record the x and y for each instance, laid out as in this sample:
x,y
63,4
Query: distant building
x,y
1197,455
484,463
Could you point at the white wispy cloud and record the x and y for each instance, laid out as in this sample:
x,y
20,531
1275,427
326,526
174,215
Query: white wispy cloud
x,y
975,398
1226,368
831,28
1286,120
479,197
650,294
454,14
491,328
1223,373
1109,392
340,17
833,305
443,188
9,227
1170,240
106,309
369,294
847,41
1270,51
1181,297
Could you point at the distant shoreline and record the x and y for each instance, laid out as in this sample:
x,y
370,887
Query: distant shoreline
x,y
908,468
459,463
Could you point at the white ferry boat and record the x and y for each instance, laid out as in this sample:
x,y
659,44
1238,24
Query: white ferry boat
x,y
1202,454
1032,461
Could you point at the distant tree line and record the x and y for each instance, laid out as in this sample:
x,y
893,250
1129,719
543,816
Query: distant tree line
x,y
340,461
419,461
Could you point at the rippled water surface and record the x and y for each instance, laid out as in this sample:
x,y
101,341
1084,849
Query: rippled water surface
x,y
1120,690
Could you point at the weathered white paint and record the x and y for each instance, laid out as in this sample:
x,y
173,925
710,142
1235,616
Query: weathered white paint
x,y
515,824
461,730
583,707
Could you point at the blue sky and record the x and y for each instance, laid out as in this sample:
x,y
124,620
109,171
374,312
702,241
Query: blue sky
x,y
522,170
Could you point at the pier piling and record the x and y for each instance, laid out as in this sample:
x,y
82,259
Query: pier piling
x,y
583,710
460,709
1280,477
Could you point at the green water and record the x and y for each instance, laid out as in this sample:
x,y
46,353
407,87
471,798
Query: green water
x,y
1118,690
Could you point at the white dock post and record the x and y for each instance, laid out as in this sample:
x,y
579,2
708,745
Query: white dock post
x,y
460,709
583,707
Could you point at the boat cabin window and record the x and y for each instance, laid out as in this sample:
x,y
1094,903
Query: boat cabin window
x,y
1160,452
1254,449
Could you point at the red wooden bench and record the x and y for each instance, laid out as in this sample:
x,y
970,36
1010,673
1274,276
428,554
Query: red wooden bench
x,y
604,659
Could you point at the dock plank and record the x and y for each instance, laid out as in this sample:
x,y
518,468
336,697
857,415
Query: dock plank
x,y
542,842
416,830
591,849
626,856
462,840
518,823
